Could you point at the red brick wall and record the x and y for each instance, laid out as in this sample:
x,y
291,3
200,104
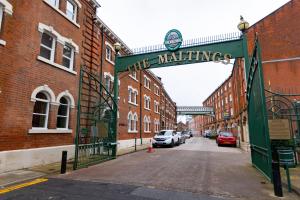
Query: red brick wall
x,y
278,35
21,73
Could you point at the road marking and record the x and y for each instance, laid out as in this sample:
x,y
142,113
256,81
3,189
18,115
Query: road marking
x,y
15,187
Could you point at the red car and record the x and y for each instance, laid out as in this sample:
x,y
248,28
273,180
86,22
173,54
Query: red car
x,y
226,138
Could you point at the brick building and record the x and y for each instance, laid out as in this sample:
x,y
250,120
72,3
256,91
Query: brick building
x,y
41,56
278,39
42,48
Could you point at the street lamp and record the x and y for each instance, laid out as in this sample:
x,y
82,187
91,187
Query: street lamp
x,y
243,25
117,47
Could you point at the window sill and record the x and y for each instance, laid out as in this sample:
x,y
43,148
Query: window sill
x,y
132,103
147,131
41,130
156,112
133,78
132,131
157,94
111,62
56,65
62,13
147,109
2,42
147,88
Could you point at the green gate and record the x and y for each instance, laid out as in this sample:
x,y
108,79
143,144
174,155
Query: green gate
x,y
94,141
257,115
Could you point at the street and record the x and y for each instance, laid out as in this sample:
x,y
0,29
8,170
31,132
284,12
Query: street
x,y
198,169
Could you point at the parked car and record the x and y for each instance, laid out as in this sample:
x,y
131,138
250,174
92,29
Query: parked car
x,y
207,133
182,137
166,138
213,134
186,134
226,138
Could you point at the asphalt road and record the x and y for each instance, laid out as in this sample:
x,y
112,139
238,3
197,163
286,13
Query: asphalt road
x,y
195,170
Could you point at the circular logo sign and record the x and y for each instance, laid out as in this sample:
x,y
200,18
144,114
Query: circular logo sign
x,y
173,40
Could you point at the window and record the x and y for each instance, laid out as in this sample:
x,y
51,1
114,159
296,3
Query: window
x,y
1,15
108,53
133,75
107,83
132,122
229,84
156,125
40,111
68,57
63,113
146,82
132,95
71,10
47,47
147,123
54,3
147,102
156,89
156,107
230,98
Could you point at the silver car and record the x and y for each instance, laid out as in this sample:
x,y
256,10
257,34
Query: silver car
x,y
166,138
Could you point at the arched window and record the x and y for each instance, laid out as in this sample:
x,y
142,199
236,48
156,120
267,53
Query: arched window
x,y
41,110
63,113
135,119
147,122
129,118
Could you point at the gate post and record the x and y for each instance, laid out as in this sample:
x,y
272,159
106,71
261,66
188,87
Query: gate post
x,y
115,108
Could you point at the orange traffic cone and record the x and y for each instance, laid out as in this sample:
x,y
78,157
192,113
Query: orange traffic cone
x,y
150,148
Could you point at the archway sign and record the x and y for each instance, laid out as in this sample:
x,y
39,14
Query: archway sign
x,y
218,49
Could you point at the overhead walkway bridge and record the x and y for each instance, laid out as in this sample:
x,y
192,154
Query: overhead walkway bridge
x,y
194,110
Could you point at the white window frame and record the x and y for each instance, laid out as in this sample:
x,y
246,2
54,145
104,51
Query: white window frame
x,y
59,38
132,94
53,46
47,109
147,102
68,112
108,54
133,75
147,82
129,118
56,4
156,107
71,67
147,122
135,120
75,10
1,14
77,5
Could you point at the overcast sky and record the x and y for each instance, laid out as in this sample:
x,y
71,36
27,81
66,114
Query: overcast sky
x,y
142,23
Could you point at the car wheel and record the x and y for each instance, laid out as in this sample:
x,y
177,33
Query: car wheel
x,y
154,145
219,144
178,142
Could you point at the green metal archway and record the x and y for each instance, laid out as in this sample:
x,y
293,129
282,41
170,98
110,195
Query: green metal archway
x,y
218,49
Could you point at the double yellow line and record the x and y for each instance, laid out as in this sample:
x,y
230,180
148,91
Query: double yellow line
x,y
15,187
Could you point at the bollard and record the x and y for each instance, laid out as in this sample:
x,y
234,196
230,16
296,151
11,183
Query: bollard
x,y
276,179
63,167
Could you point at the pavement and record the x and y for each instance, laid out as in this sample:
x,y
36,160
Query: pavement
x,y
143,176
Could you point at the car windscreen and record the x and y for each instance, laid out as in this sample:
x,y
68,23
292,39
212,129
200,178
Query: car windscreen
x,y
226,134
166,133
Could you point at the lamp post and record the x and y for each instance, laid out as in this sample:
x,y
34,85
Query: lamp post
x,y
117,47
243,26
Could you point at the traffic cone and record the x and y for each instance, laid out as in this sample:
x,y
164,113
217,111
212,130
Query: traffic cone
x,y
150,148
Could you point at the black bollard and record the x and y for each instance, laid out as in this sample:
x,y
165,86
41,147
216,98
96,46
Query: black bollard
x,y
63,167
276,179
